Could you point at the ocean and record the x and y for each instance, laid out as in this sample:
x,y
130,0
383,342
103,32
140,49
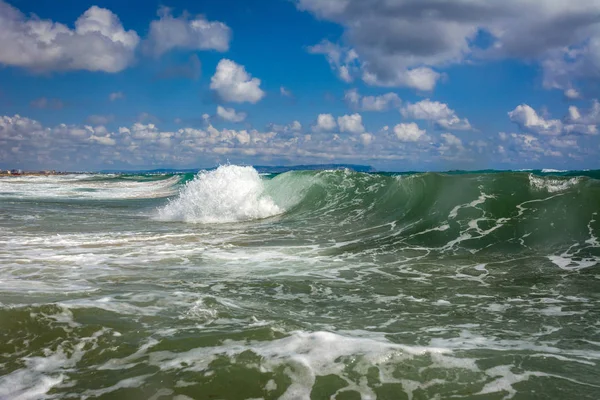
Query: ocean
x,y
334,284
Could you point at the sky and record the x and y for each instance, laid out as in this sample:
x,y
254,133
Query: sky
x,y
396,84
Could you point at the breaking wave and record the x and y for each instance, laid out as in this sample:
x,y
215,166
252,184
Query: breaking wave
x,y
228,194
441,212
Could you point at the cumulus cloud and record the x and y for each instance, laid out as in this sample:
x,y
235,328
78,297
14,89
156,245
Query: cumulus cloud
x,y
98,43
409,132
589,117
585,122
116,96
292,127
451,140
26,143
104,140
366,138
403,42
442,115
351,123
572,94
234,84
183,32
576,121
371,103
529,120
229,114
325,123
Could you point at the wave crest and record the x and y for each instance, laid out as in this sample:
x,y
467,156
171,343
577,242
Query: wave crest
x,y
230,193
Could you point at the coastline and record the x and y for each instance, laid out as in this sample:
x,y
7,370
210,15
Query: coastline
x,y
35,173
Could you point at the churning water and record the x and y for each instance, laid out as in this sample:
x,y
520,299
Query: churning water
x,y
302,285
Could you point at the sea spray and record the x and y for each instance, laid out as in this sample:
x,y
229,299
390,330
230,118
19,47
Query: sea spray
x,y
228,194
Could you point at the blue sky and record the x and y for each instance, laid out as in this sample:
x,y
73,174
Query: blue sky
x,y
397,84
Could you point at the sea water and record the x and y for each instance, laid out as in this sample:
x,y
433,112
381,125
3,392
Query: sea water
x,y
302,285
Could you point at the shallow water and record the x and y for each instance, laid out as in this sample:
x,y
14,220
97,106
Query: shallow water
x,y
307,284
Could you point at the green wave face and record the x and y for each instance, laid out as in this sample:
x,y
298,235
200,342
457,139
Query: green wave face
x,y
500,212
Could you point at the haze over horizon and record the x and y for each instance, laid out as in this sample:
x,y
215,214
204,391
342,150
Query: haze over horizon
x,y
398,85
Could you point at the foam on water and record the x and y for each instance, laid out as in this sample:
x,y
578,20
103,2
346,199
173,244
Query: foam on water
x,y
83,187
228,194
430,286
552,185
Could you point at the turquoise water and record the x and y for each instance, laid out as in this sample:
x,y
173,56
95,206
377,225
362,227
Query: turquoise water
x,y
301,285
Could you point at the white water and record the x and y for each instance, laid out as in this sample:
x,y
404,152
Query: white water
x,y
81,187
551,185
228,194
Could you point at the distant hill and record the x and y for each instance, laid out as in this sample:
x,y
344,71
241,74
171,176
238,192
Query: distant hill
x,y
259,168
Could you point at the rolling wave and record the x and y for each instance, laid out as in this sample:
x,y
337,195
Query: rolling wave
x,y
499,213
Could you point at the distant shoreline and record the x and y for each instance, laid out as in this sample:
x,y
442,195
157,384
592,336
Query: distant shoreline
x,y
36,173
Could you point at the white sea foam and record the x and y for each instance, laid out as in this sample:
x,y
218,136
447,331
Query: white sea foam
x,y
228,194
42,373
551,185
550,170
312,354
81,187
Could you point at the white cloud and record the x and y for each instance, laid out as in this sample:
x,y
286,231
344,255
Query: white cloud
x,y
346,62
116,96
234,84
409,132
583,122
104,140
351,123
325,123
229,114
440,113
572,94
341,59
591,117
293,127
168,33
422,78
371,103
576,121
567,142
451,140
529,120
366,138
98,43
285,92
296,126
26,143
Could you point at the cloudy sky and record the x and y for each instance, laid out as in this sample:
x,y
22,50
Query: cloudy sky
x,y
397,84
